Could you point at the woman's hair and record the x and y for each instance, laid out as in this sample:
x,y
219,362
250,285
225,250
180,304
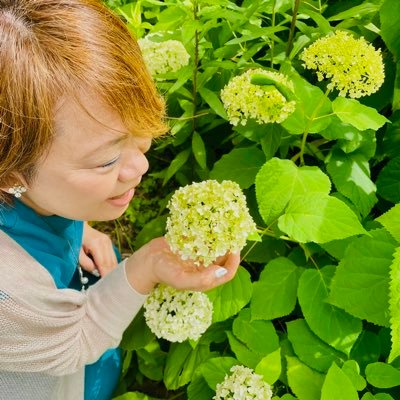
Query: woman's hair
x,y
55,48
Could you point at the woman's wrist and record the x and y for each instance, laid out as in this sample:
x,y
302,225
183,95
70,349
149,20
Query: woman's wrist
x,y
139,275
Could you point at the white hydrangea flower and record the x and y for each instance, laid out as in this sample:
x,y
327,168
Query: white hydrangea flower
x,y
177,315
163,57
243,384
243,100
208,219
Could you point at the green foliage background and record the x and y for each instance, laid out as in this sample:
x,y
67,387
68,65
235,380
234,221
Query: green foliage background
x,y
315,307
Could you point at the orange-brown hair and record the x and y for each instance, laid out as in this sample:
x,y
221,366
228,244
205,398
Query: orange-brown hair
x,y
53,48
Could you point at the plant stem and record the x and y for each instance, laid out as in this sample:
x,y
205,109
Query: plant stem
x,y
196,64
273,26
308,126
292,27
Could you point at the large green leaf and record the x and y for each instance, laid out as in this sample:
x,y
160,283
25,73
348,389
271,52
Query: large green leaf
x,y
388,182
270,367
215,369
331,324
367,349
279,180
352,370
250,332
242,352
230,298
198,389
275,293
361,283
240,165
390,220
382,375
351,176
337,385
394,301
390,23
319,218
362,117
305,383
310,348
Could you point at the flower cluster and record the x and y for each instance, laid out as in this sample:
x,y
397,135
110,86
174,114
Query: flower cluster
x,y
354,66
207,220
243,384
243,100
177,315
163,57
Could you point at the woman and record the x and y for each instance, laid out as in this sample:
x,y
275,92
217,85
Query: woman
x,y
78,111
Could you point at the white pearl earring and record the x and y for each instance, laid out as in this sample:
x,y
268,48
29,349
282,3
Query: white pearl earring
x,y
17,190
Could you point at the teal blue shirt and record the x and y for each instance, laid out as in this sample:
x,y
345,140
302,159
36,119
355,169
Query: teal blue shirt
x,y
55,242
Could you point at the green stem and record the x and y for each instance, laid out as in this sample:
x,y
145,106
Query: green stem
x,y
273,26
308,126
292,27
196,64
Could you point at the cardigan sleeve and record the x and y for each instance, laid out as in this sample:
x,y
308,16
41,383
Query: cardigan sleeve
x,y
58,331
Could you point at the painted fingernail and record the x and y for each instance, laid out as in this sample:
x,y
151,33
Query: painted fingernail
x,y
220,272
95,272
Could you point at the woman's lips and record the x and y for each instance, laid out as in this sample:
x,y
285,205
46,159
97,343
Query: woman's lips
x,y
123,199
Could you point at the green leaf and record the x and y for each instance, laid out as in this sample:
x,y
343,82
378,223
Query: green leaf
x,y
379,396
337,385
250,332
361,282
337,328
390,22
275,293
137,335
176,164
151,230
352,370
245,355
151,361
270,367
310,348
351,176
199,150
181,362
305,383
240,165
367,349
134,396
199,390
264,251
215,369
390,221
319,218
280,180
352,112
394,302
230,298
388,182
213,101
382,375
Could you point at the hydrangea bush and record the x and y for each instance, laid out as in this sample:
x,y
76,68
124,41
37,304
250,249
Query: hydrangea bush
x,y
299,104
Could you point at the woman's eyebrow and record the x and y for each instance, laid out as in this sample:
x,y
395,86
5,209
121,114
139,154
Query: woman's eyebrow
x,y
109,143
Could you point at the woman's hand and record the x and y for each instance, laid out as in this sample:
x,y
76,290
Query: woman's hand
x,y
97,253
155,263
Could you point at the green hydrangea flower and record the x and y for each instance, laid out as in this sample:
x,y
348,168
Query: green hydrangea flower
x,y
244,384
354,66
163,57
243,100
207,220
177,315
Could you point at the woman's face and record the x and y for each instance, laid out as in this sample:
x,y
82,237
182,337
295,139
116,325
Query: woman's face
x,y
92,168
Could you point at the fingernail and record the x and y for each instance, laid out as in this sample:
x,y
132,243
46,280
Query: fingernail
x,y
95,272
220,272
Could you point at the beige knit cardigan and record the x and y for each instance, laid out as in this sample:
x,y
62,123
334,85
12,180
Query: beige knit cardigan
x,y
48,335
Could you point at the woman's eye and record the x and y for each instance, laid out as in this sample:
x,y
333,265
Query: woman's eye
x,y
110,163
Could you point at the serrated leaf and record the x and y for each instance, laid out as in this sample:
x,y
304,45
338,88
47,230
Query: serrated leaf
x,y
215,369
278,181
388,182
240,165
337,328
382,375
351,176
362,117
361,282
275,293
310,348
270,367
305,383
390,220
230,298
319,218
337,385
394,302
250,332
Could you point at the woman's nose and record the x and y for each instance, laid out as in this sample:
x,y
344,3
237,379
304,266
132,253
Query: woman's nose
x,y
134,165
